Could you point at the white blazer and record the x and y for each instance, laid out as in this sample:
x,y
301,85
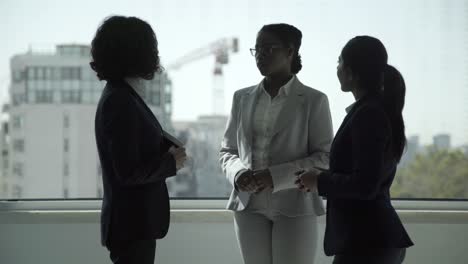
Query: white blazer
x,y
301,139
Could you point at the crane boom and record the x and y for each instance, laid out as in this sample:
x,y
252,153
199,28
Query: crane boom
x,y
219,48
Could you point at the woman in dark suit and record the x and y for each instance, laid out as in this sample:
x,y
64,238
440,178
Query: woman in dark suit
x,y
362,226
135,158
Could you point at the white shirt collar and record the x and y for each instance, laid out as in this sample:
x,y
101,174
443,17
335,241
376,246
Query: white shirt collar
x,y
283,90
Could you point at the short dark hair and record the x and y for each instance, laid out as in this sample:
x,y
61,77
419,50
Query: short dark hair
x,y
288,35
125,47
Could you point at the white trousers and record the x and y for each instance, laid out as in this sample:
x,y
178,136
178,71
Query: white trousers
x,y
265,236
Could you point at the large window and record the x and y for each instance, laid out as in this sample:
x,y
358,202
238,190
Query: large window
x,y
43,96
70,73
71,96
17,122
427,40
18,145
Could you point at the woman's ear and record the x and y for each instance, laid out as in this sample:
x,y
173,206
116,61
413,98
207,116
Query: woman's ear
x,y
291,51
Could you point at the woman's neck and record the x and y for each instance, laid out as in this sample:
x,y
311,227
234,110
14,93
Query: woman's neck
x,y
358,93
274,83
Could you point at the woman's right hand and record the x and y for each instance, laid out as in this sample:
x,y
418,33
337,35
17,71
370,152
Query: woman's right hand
x,y
246,182
179,155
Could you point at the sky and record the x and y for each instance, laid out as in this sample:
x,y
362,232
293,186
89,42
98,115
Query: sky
x,y
426,39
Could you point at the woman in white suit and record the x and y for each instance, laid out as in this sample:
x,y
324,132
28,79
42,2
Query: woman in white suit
x,y
276,128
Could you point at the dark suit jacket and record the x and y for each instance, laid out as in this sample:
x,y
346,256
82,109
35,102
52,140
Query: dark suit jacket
x,y
135,164
357,186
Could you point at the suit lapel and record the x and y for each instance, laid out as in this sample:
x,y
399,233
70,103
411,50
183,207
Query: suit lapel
x,y
346,119
343,124
142,103
249,100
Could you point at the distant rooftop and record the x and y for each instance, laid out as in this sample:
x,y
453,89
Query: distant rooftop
x,y
73,50
76,50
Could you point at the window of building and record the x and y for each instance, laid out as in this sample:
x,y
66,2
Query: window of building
x,y
66,170
5,128
18,76
66,147
31,85
18,99
70,73
71,96
18,145
56,73
44,96
31,73
66,73
40,84
66,121
40,73
47,84
17,169
17,122
48,73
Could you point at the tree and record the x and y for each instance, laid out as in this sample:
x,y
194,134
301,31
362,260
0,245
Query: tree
x,y
436,173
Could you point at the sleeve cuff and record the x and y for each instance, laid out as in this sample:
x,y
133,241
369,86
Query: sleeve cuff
x,y
237,176
322,183
234,171
283,177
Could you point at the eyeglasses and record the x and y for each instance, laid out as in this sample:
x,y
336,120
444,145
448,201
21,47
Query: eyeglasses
x,y
267,50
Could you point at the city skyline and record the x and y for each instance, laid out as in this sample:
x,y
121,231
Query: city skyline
x,y
53,100
428,43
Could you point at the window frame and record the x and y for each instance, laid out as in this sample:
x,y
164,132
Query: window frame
x,y
424,205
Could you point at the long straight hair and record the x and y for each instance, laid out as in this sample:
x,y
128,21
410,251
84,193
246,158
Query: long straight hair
x,y
367,58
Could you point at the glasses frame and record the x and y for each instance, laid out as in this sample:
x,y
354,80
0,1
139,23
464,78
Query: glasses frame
x,y
268,50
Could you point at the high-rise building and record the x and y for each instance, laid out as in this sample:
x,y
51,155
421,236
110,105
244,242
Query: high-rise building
x,y
4,179
184,185
442,141
203,144
412,148
51,145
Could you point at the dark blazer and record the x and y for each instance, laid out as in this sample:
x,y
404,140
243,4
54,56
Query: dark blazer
x,y
135,164
360,215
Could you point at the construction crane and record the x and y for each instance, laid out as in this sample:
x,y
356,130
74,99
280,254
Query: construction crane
x,y
221,50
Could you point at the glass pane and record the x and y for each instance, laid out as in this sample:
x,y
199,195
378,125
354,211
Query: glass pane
x,y
87,97
426,41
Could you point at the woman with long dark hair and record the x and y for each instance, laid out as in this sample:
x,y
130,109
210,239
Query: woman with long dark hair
x,y
362,226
